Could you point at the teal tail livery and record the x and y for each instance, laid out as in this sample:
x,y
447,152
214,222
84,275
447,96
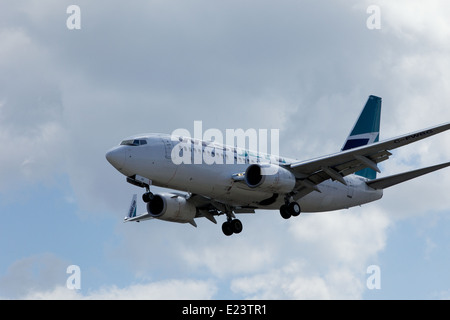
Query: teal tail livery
x,y
366,131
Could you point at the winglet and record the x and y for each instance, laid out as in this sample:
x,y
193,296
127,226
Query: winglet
x,y
133,207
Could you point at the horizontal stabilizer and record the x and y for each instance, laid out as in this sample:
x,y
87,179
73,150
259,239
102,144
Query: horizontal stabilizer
x,y
390,181
141,217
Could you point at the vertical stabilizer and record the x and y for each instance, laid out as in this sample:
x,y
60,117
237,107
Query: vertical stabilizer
x,y
366,131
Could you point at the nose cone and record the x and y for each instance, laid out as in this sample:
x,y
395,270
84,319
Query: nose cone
x,y
116,157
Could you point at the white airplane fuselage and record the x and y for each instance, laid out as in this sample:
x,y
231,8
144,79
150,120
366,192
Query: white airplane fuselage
x,y
153,161
222,179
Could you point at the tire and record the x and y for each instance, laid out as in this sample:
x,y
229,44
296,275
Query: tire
x,y
285,212
227,228
294,209
236,226
147,197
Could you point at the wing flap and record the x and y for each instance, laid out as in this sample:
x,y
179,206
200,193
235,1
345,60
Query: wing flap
x,y
141,217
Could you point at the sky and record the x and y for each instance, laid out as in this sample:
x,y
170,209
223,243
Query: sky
x,y
67,95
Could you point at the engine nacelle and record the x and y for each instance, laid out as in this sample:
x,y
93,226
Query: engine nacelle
x,y
270,178
171,207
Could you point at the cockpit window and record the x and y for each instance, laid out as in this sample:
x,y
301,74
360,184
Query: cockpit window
x,y
133,142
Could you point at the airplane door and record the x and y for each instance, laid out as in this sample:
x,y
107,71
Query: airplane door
x,y
167,147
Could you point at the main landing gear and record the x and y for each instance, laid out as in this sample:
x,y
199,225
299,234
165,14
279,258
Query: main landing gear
x,y
232,225
291,209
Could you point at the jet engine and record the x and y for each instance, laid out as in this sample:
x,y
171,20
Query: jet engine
x,y
171,207
269,178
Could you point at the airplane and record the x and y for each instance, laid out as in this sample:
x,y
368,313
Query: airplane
x,y
337,181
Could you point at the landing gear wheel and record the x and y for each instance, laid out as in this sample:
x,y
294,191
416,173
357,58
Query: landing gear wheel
x,y
236,226
284,211
294,209
147,197
227,228
232,226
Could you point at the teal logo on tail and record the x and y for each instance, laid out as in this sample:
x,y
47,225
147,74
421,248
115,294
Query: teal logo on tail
x,y
366,131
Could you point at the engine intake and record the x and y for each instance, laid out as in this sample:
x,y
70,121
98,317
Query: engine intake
x,y
270,178
171,207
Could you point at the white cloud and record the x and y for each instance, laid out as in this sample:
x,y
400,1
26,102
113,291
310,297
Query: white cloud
x,y
327,257
228,258
294,282
284,283
160,290
418,21
44,276
349,237
31,123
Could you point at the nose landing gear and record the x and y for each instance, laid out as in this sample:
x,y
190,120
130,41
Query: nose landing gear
x,y
143,183
148,196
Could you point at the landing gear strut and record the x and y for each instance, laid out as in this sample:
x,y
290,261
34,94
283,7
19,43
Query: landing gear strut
x,y
143,183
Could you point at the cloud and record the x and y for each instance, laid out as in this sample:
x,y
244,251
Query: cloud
x,y
160,290
31,122
229,258
327,259
321,256
40,272
44,276
293,282
346,237
414,21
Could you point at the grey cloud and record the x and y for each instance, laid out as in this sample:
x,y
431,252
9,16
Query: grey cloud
x,y
38,272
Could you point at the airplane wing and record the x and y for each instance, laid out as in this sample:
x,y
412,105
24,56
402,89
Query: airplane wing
x,y
336,166
141,217
206,207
